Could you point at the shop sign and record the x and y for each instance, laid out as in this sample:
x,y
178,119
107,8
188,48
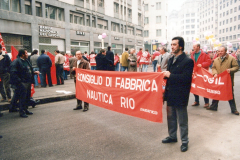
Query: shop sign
x,y
80,33
116,38
47,32
129,40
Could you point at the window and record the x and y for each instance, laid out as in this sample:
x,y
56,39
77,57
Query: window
x,y
115,27
146,7
227,13
187,20
226,21
223,22
158,5
87,20
235,18
238,17
76,18
10,5
158,19
146,33
193,20
231,11
100,3
139,18
193,14
223,14
234,36
116,8
220,15
192,32
187,26
129,13
188,15
102,24
28,7
230,29
54,13
223,30
130,30
226,29
159,32
94,22
146,20
187,32
219,31
38,9
230,20
93,2
235,9
235,28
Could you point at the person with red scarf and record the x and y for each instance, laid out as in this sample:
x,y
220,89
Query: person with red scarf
x,y
139,54
201,59
92,60
116,62
144,60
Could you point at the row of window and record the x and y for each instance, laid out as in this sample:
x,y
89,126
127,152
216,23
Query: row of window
x,y
229,12
158,33
227,4
227,38
158,20
230,29
158,6
230,20
123,10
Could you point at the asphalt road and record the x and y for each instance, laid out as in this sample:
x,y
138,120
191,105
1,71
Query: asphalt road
x,y
55,131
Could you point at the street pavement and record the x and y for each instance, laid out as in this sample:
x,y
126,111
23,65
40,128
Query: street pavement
x,y
56,131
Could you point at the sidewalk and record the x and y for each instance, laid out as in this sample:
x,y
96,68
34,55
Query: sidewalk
x,y
55,93
51,94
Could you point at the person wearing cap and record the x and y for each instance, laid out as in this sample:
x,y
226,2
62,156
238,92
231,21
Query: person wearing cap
x,y
200,59
222,63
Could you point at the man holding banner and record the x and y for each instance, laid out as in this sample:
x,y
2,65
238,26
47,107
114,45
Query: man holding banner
x,y
201,59
179,78
222,63
83,64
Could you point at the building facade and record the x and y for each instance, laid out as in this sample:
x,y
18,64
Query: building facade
x,y
155,23
71,25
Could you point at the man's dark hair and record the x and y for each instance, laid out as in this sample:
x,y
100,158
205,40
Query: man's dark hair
x,y
34,52
146,50
198,45
140,49
42,51
57,51
126,49
180,42
21,52
109,47
0,46
102,50
92,52
85,52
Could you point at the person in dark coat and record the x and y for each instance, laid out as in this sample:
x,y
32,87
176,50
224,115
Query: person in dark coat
x,y
44,63
102,61
110,56
21,78
179,78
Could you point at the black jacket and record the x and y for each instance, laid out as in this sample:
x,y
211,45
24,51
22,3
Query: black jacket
x,y
110,56
102,62
44,62
179,83
5,64
19,73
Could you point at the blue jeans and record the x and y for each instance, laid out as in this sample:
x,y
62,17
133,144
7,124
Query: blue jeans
x,y
65,74
124,68
93,67
36,77
117,67
154,65
144,67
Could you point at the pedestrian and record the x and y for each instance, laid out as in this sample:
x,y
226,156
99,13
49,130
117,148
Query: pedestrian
x,y
144,60
163,59
110,56
222,63
33,61
71,61
93,60
200,59
139,55
22,76
116,62
238,57
155,59
66,67
102,61
125,60
179,78
44,63
132,61
86,56
59,60
83,64
5,62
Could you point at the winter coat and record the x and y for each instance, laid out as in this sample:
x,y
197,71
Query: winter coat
x,y
203,59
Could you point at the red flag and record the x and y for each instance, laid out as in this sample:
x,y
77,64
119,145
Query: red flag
x,y
32,90
53,68
14,53
2,43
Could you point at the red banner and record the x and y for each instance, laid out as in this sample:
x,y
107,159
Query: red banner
x,y
14,53
3,45
132,93
204,84
53,68
32,90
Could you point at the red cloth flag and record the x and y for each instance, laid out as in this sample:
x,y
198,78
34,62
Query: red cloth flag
x,y
66,66
204,84
131,93
32,90
14,53
2,43
53,68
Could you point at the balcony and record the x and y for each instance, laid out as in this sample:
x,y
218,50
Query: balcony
x,y
79,3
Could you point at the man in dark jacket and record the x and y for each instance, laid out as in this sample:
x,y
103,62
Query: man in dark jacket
x,y
110,56
44,63
179,78
21,78
102,61
5,62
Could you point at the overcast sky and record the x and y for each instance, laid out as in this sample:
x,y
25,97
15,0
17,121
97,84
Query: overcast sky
x,y
174,4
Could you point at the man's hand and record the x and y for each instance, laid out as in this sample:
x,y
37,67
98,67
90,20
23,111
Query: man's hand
x,y
199,65
158,66
215,75
74,68
228,70
36,72
166,74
